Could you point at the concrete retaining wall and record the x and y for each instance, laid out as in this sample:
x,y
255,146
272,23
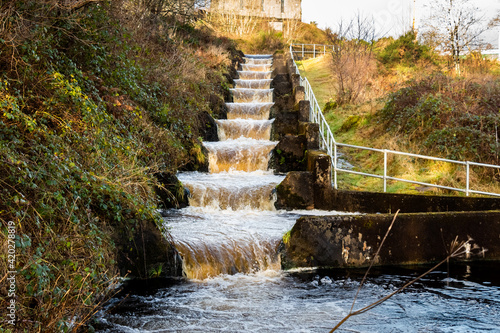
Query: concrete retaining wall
x,y
352,241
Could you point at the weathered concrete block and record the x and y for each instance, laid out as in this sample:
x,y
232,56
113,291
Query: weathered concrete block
x,y
295,191
290,66
148,250
281,85
320,165
209,129
279,65
285,123
303,107
311,131
375,202
288,155
300,94
295,81
351,241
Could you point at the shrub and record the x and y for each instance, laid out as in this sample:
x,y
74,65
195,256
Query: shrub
x,y
94,102
407,50
455,117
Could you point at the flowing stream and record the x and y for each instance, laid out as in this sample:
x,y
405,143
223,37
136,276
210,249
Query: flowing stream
x,y
229,236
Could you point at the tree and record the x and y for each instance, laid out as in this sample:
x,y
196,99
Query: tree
x,y
182,10
454,26
353,62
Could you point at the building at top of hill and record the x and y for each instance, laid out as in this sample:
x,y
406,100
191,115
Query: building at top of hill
x,y
275,10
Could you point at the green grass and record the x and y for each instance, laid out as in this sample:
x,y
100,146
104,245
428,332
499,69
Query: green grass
x,y
317,72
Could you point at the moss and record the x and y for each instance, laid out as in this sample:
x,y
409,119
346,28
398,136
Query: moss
x,y
351,122
286,237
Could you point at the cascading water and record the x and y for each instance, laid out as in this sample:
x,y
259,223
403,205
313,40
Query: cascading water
x,y
234,200
228,239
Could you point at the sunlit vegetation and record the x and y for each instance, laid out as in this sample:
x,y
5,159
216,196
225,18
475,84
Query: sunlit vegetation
x,y
256,35
415,103
96,98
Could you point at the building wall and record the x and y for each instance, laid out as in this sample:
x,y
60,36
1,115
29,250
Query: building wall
x,y
277,9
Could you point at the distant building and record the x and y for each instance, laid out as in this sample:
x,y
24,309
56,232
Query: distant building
x,y
275,10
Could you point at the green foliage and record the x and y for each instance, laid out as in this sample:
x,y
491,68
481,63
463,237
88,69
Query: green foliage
x,y
330,106
286,237
406,50
455,118
351,122
92,107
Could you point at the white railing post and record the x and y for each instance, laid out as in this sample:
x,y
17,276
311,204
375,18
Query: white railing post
x,y
334,166
324,49
302,51
314,50
467,186
385,170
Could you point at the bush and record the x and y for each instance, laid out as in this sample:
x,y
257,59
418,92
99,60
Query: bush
x,y
454,117
94,102
265,42
406,50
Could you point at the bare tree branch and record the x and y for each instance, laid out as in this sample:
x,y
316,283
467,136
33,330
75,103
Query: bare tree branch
x,y
352,58
454,27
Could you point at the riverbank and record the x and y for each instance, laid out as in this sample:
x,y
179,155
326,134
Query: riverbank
x,y
101,102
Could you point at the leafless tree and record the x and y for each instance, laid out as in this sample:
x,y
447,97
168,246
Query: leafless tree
x,y
181,10
454,26
352,57
495,22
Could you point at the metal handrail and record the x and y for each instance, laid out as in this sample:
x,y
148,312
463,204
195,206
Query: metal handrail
x,y
329,144
304,49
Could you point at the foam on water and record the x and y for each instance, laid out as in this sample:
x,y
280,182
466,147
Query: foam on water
x,y
236,128
315,301
251,75
253,84
241,95
259,111
242,154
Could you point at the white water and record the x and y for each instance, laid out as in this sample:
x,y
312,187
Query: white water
x,y
306,302
253,84
241,95
236,128
258,111
231,191
231,225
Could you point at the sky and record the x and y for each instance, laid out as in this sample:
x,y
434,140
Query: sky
x,y
391,16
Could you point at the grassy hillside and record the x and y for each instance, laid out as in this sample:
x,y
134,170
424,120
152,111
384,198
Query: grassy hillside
x,y
318,72
97,98
411,102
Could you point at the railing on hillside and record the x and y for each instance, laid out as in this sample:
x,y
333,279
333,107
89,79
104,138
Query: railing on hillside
x,y
328,143
306,51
